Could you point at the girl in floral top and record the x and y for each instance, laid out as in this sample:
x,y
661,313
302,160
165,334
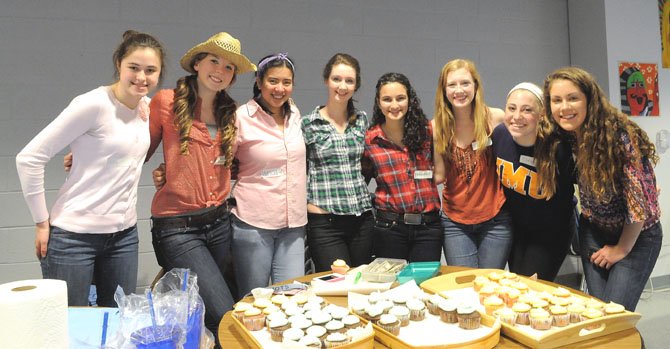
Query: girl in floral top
x,y
339,209
619,228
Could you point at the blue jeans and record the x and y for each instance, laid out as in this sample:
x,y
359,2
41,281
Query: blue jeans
x,y
481,245
415,243
261,255
203,250
346,237
77,258
624,282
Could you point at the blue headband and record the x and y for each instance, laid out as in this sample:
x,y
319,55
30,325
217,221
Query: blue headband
x,y
280,57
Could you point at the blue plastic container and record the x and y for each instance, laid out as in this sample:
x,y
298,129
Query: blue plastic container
x,y
419,272
159,337
194,325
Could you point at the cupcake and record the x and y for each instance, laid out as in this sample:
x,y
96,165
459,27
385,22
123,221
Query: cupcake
x,y
310,342
506,315
319,332
277,327
433,303
487,291
351,321
468,317
506,282
575,310
508,275
334,326
612,308
262,303
321,318
338,313
240,308
390,323
293,334
495,276
373,312
591,314
512,296
540,319
400,299
253,319
447,310
278,300
522,311
316,300
273,316
561,301
300,299
402,313
479,282
289,304
302,324
540,303
560,315
417,310
294,311
595,304
521,286
386,305
375,297
339,267
492,304
562,292
334,340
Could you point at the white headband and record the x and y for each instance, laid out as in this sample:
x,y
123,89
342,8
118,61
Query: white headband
x,y
530,87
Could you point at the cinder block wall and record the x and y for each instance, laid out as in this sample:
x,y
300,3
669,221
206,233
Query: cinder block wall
x,y
51,51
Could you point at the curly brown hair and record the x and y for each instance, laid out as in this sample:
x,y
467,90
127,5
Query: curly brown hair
x,y
600,154
444,114
185,99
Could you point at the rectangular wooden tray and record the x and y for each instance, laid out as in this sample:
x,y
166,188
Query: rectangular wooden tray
x,y
556,336
364,343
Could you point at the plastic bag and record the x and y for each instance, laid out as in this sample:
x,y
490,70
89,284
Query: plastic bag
x,y
171,316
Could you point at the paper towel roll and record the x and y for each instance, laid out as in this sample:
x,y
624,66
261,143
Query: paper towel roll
x,y
33,314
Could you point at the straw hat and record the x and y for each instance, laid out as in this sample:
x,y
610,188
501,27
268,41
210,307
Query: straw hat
x,y
222,45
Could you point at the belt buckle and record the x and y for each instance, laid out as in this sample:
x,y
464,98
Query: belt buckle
x,y
412,218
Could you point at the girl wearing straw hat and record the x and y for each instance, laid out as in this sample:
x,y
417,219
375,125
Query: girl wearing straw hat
x,y
269,219
195,121
477,231
92,228
539,194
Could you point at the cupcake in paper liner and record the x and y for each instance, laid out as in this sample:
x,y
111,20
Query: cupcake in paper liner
x,y
468,317
390,323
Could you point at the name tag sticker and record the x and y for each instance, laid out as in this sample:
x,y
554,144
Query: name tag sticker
x,y
475,144
272,172
528,160
221,160
423,174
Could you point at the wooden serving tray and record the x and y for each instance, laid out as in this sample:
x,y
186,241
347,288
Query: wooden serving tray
x,y
486,342
552,338
364,343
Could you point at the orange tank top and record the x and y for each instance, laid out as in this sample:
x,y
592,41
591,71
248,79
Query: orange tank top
x,y
472,192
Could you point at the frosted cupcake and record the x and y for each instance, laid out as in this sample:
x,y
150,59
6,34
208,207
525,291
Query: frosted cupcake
x,y
591,314
522,311
506,315
493,303
262,303
595,304
417,310
334,326
339,266
318,332
510,276
273,316
575,310
335,340
562,301
375,297
373,312
338,313
359,308
400,299
321,318
310,342
351,321
278,300
479,282
390,323
253,319
521,286
240,308
302,324
293,334
560,315
487,291
277,327
386,305
402,313
433,303
540,319
562,292
540,303
612,308
468,317
447,310
495,276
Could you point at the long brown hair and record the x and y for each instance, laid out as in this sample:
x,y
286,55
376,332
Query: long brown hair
x,y
600,154
444,114
185,99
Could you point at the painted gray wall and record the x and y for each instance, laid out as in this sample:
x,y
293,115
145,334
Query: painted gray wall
x,y
51,51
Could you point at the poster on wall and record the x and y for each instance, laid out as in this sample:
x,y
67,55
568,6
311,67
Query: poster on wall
x,y
664,24
638,83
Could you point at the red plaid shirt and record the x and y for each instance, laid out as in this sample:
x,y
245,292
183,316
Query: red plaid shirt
x,y
394,169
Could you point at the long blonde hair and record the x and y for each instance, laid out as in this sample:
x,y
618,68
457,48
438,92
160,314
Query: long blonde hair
x,y
444,114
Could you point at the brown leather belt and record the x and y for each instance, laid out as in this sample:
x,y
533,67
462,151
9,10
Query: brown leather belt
x,y
194,219
409,218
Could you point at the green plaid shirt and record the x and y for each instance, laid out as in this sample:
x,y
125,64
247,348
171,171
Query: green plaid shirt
x,y
334,179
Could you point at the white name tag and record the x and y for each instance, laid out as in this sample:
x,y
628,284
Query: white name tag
x,y
475,145
272,172
423,174
528,160
221,160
